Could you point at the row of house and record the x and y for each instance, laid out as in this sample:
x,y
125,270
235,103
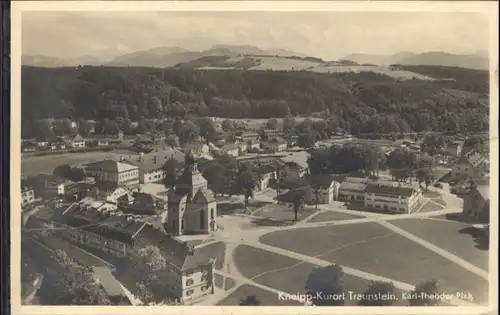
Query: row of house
x,y
380,195
188,275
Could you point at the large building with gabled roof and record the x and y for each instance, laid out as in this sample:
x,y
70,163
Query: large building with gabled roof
x,y
192,208
119,173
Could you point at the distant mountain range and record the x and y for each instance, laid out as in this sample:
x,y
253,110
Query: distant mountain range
x,y
171,56
435,58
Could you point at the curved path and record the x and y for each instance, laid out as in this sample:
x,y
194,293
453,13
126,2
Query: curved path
x,y
234,232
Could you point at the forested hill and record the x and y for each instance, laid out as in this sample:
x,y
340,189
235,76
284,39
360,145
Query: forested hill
x,y
359,102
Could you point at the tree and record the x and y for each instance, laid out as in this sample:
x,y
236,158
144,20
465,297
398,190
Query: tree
x,y
424,175
207,128
250,300
289,125
326,281
401,162
370,161
189,132
272,123
177,127
64,171
69,283
227,125
421,295
216,178
171,167
316,186
246,184
307,139
172,141
83,127
150,264
376,289
297,198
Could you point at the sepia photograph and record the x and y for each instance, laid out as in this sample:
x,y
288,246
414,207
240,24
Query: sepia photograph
x,y
212,154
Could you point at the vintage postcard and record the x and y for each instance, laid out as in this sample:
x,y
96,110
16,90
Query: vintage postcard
x,y
254,157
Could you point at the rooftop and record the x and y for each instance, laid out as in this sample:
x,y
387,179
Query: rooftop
x,y
156,160
299,158
110,166
484,191
352,186
178,253
390,190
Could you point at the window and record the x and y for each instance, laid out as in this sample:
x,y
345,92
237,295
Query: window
x,y
189,292
189,282
204,278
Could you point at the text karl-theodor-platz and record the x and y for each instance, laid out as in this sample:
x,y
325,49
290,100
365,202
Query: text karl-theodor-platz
x,y
353,296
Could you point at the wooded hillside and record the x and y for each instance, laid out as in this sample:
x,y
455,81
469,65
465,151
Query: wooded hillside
x,y
359,102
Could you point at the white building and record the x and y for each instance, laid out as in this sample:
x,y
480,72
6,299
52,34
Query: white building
x,y
77,142
396,199
197,148
352,189
150,165
325,188
275,145
27,196
119,173
231,149
471,164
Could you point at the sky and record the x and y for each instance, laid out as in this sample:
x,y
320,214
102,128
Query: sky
x,y
327,35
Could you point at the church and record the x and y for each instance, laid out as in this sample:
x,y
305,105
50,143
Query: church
x,y
192,208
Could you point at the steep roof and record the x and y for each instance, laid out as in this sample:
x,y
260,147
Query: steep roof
x,y
203,196
176,252
78,138
351,186
156,160
472,158
389,190
484,191
110,166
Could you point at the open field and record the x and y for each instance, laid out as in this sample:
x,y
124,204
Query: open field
x,y
430,206
284,273
283,212
216,251
46,164
266,298
332,216
372,248
453,237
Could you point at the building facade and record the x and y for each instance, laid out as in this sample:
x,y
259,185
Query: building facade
x,y
27,196
471,164
119,173
395,199
476,204
192,209
151,166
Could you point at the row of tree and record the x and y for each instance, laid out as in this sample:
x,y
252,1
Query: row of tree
x,y
360,102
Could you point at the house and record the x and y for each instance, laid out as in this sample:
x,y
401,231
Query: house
x,y
253,144
476,203
269,134
242,147
197,148
275,145
231,149
191,207
325,188
471,164
119,173
297,162
77,142
246,136
158,137
189,274
48,185
27,196
454,148
57,145
29,146
102,142
393,198
143,140
144,204
265,176
151,165
99,205
352,189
